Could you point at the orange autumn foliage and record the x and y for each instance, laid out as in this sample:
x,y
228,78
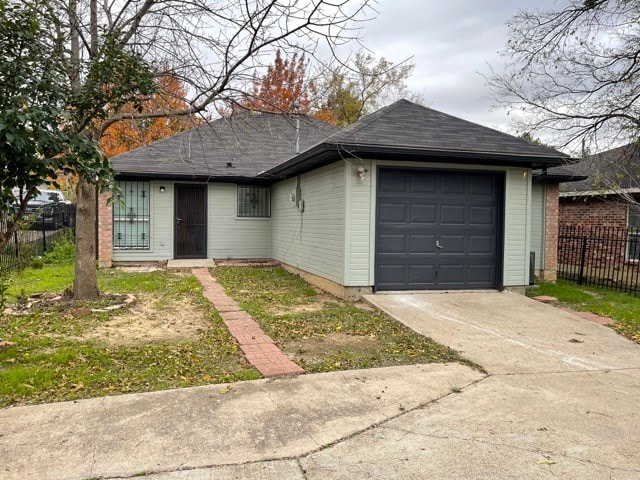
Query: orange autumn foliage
x,y
126,135
284,88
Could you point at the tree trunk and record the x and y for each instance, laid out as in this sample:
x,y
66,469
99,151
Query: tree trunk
x,y
85,286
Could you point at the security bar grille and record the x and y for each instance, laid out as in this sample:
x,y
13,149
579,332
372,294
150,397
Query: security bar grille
x,y
131,216
254,201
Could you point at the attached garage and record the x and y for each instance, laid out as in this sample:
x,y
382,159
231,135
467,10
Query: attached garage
x,y
438,229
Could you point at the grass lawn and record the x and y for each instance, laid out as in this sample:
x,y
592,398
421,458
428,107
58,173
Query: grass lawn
x,y
623,308
170,337
320,332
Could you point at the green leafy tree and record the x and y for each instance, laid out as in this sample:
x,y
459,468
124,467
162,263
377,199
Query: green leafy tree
x,y
38,111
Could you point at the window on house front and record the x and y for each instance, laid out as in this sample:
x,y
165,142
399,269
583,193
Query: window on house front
x,y
633,234
254,201
131,216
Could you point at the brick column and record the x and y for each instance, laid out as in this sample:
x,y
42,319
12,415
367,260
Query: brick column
x,y
105,230
549,273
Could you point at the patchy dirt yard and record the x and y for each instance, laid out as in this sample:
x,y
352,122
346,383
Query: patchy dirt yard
x,y
168,337
143,322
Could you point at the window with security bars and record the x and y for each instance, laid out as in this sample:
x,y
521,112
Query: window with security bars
x,y
131,216
254,201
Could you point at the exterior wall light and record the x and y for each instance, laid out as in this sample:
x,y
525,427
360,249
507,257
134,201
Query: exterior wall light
x,y
361,172
162,189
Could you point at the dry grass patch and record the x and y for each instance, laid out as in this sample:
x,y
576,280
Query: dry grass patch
x,y
321,332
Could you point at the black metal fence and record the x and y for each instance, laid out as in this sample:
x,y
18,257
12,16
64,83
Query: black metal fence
x,y
602,256
36,236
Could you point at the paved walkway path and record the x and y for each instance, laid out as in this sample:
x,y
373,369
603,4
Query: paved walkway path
x,y
258,348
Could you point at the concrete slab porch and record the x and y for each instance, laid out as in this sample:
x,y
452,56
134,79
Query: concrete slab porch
x,y
184,264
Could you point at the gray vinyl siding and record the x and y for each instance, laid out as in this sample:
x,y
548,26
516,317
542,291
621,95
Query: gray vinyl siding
x,y
161,220
230,236
359,218
313,240
537,223
517,228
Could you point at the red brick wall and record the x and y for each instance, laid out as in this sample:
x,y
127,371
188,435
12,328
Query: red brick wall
x,y
592,212
551,229
603,223
105,231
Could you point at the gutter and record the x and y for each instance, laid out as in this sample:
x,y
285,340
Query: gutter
x,y
334,151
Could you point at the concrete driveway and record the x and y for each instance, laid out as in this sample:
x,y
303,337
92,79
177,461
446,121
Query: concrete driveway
x,y
560,399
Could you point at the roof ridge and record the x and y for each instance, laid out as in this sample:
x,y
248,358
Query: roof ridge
x,y
367,120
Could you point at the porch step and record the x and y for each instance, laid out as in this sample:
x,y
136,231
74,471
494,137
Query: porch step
x,y
184,264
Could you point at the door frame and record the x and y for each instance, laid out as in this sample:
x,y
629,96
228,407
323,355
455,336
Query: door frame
x,y
203,186
501,175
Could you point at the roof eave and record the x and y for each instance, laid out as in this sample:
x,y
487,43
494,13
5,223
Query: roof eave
x,y
600,193
193,178
325,153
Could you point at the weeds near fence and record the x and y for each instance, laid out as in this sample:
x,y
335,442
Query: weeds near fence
x,y
600,256
28,244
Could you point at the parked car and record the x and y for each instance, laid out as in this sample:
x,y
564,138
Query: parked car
x,y
50,209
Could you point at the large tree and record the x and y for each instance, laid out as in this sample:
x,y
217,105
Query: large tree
x,y
573,73
128,134
112,50
361,86
37,108
284,88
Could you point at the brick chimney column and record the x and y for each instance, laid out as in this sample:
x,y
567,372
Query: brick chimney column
x,y
550,273
105,230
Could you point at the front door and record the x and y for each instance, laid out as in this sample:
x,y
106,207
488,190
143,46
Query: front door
x,y
190,221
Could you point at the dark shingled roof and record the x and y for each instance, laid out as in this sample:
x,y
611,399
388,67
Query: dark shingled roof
x,y
262,145
615,169
252,142
405,131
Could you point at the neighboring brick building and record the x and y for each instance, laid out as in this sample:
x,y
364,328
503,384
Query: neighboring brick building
x,y
592,211
604,208
609,195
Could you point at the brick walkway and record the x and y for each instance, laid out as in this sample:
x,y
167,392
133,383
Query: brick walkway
x,y
258,348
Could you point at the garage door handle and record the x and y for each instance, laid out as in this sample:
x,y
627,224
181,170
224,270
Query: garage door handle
x,y
438,244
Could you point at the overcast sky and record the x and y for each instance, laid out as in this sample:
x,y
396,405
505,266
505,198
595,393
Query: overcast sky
x,y
451,42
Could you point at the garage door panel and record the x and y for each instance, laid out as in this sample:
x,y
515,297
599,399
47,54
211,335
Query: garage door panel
x,y
393,181
452,184
482,215
451,274
393,274
393,213
452,244
392,243
422,275
423,214
477,274
423,182
482,186
482,245
422,244
417,210
453,214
